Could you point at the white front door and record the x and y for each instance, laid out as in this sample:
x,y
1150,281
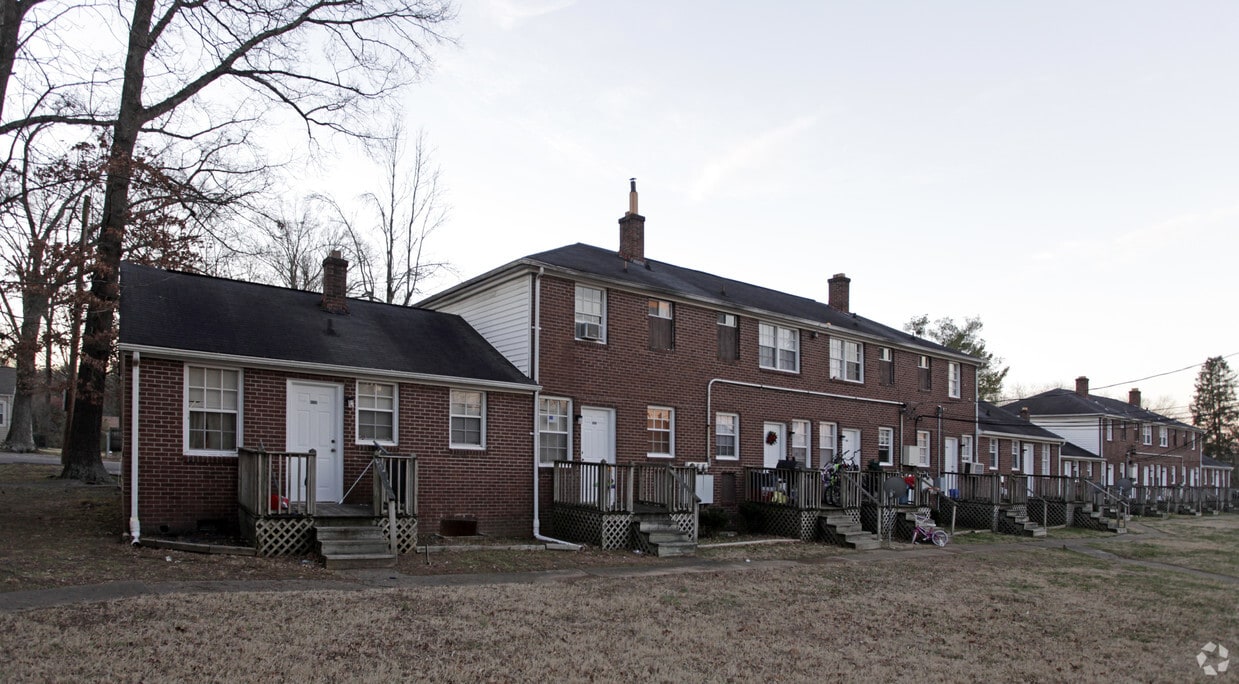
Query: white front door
x,y
597,446
773,449
849,448
950,463
315,422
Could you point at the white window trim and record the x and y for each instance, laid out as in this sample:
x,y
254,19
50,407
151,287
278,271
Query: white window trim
x,y
185,410
839,360
670,428
923,447
795,335
954,379
1163,436
395,411
567,456
808,440
1146,432
1045,459
576,313
450,416
1109,429
1015,455
966,452
824,443
890,446
995,451
735,423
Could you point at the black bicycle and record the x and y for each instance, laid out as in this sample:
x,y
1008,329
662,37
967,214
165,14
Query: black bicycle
x,y
832,481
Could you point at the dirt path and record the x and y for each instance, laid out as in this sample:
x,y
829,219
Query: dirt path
x,y
360,580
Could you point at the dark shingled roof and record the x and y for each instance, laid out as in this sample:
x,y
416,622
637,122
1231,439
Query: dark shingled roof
x,y
1069,450
198,313
686,282
1210,462
1066,402
991,418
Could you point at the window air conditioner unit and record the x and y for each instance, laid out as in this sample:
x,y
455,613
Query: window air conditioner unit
x,y
911,455
973,468
588,331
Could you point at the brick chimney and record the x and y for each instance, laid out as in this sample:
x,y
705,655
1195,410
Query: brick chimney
x,y
1133,397
839,292
1024,413
632,229
335,284
1082,386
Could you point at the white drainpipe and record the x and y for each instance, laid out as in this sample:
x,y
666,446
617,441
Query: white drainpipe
x,y
135,527
537,470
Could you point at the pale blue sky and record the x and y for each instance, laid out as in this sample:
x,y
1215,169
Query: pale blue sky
x,y
1067,171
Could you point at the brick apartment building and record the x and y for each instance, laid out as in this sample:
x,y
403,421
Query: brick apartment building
x,y
642,361
210,365
1011,443
1129,441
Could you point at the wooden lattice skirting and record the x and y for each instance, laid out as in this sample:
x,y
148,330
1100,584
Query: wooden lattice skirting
x,y
293,536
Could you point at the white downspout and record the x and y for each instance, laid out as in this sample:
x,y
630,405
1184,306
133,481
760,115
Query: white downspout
x,y
534,366
135,526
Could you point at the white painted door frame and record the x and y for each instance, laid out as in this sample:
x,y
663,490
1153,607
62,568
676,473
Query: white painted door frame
x,y
310,424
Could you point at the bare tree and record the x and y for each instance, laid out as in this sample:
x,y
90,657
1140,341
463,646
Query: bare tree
x,y
369,48
408,207
293,244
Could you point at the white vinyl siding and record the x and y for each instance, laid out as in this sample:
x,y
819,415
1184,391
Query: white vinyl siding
x,y
501,314
847,360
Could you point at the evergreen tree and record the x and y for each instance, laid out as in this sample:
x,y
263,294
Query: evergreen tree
x,y
965,338
1215,410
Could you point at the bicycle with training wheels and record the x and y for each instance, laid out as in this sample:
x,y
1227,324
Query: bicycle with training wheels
x,y
925,530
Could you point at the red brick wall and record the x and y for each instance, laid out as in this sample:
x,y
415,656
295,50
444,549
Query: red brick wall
x,y
626,376
1006,463
1128,447
178,491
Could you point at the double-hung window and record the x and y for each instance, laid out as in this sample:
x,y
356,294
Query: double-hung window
x,y
662,325
993,453
846,360
728,337
212,410
1163,436
376,412
886,443
1147,436
726,436
886,366
778,347
923,373
591,314
1015,454
468,416
1109,430
827,443
922,447
952,379
800,441
554,428
660,426
1045,459
965,449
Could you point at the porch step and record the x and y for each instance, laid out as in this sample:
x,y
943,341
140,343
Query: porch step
x,y
664,537
1015,522
344,545
850,534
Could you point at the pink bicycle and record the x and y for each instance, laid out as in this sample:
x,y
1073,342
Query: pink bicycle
x,y
925,530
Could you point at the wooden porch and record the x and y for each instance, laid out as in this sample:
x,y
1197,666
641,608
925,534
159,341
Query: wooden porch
x,y
279,512
648,508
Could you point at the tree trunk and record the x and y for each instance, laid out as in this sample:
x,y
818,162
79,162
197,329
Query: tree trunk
x,y
21,428
81,456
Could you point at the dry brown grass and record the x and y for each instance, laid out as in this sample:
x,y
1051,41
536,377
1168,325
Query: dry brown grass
x,y
1208,543
1037,615
1014,613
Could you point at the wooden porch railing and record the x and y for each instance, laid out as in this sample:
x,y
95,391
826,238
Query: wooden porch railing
x,y
797,488
276,482
621,488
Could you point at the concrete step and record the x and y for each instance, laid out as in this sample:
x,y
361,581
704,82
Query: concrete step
x,y
675,548
354,561
334,533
